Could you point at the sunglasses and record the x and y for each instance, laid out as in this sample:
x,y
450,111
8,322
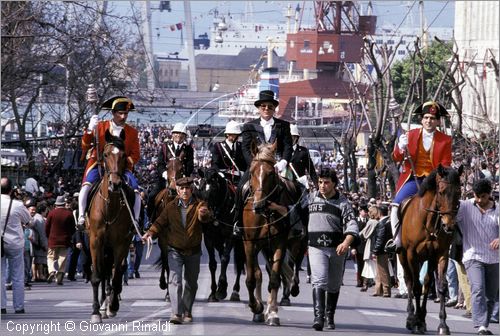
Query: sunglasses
x,y
270,107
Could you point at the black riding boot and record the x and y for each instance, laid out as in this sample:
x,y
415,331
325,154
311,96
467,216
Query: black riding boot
x,y
319,308
331,306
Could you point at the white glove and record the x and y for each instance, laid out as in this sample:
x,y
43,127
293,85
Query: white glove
x,y
281,165
93,122
165,175
403,141
303,180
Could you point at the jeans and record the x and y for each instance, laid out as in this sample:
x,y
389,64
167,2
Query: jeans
x,y
15,259
452,277
134,266
182,299
483,279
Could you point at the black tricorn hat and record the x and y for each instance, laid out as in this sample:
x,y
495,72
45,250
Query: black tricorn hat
x,y
266,96
118,103
432,107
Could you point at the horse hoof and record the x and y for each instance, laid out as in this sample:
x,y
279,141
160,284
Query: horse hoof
x,y
417,331
273,321
212,298
443,331
167,297
285,302
111,313
95,318
235,296
259,309
295,291
258,318
221,295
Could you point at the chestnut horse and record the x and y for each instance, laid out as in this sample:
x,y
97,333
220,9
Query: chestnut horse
x,y
265,230
110,229
174,168
428,222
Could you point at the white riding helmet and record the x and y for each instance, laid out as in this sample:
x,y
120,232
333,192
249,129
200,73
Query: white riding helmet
x,y
179,128
233,127
294,130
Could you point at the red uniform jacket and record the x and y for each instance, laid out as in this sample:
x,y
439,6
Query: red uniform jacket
x,y
132,148
440,153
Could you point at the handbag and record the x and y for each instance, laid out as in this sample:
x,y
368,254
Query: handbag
x,y
5,226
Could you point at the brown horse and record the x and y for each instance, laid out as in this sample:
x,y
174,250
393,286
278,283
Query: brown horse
x,y
110,230
428,221
174,168
265,230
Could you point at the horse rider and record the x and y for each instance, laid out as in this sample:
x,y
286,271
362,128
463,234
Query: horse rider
x,y
120,107
301,160
266,129
227,155
421,150
181,223
171,149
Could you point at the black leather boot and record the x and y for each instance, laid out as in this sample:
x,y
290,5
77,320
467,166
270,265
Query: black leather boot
x,y
331,306
319,308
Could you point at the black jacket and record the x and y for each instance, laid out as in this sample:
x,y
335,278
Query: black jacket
x,y
165,154
302,162
220,160
382,234
280,133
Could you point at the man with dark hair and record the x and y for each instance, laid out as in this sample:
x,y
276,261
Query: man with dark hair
x,y
14,216
477,219
332,229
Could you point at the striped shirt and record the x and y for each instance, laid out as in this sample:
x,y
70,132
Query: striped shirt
x,y
478,231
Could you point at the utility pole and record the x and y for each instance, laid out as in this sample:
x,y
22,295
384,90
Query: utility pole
x,y
190,48
148,41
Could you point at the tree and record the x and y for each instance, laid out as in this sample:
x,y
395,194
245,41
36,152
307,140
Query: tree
x,y
54,50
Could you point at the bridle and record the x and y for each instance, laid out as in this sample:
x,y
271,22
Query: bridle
x,y
438,214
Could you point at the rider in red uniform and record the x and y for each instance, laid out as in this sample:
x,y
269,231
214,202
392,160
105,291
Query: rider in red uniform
x,y
426,147
120,107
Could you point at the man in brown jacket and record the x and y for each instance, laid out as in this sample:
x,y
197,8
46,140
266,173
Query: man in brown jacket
x,y
181,222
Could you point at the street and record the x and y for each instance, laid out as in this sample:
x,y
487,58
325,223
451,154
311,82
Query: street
x,y
59,310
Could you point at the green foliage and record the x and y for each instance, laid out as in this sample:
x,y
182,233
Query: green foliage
x,y
435,59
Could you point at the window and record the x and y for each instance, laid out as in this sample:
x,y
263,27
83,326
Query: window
x,y
401,52
307,44
380,41
390,42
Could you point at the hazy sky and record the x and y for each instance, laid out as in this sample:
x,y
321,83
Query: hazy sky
x,y
437,14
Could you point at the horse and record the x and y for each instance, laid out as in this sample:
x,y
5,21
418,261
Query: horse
x,y
265,230
174,168
428,222
218,235
110,228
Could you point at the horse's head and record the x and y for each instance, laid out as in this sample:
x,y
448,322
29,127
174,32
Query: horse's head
x,y
448,195
212,186
263,178
174,169
115,161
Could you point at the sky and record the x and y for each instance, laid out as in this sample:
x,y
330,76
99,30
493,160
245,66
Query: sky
x,y
437,14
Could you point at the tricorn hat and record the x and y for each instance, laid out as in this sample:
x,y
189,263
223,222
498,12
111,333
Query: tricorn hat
x,y
432,107
184,181
266,96
118,103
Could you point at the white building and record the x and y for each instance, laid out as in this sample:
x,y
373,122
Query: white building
x,y
477,34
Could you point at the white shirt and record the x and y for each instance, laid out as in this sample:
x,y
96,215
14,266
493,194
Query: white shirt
x,y
267,125
19,215
115,129
230,144
32,185
427,139
478,231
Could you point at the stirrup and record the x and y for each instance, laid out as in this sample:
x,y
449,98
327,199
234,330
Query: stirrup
x,y
391,247
237,231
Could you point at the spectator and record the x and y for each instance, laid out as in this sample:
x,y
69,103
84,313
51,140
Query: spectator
x,y
382,234
31,185
13,216
41,245
59,229
478,218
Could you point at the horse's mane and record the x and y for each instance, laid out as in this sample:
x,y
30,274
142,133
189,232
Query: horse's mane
x,y
429,183
117,142
265,152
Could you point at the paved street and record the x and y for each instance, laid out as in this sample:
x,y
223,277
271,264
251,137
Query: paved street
x,y
58,310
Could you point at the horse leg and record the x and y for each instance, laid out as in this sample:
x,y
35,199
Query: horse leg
x,y
225,256
212,266
419,326
286,276
409,280
442,266
104,297
272,317
239,261
96,315
258,316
